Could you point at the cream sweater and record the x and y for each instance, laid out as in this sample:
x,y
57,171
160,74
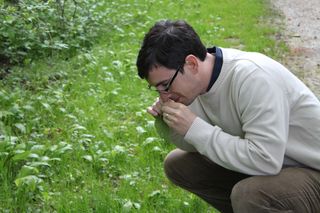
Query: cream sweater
x,y
256,118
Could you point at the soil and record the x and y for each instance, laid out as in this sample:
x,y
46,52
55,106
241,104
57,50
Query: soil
x,y
301,32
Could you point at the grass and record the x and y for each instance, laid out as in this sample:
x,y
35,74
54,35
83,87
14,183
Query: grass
x,y
74,135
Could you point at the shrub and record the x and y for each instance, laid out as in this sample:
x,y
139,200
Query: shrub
x,y
32,29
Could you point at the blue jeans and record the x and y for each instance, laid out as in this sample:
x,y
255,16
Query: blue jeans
x,y
292,190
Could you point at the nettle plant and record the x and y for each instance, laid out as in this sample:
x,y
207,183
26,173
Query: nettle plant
x,y
24,161
30,29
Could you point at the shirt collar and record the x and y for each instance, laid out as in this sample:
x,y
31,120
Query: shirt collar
x,y
217,52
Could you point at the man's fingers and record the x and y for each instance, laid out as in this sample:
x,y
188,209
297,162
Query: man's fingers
x,y
155,109
167,118
172,104
153,112
160,101
171,109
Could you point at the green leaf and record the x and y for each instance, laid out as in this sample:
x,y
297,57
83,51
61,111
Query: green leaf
x,y
53,148
78,127
21,127
149,140
119,149
140,130
128,206
46,106
157,149
61,46
21,146
64,149
38,148
88,157
108,133
4,114
154,193
36,164
27,170
28,108
33,155
23,155
31,181
55,159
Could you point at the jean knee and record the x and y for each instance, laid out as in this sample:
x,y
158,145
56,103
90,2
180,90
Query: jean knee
x,y
244,195
238,194
248,195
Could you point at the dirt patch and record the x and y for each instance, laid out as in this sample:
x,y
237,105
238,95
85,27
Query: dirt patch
x,y
302,35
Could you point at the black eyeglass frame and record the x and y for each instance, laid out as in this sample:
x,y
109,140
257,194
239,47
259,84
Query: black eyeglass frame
x,y
166,89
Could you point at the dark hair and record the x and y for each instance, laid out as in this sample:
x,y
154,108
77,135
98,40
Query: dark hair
x,y
167,44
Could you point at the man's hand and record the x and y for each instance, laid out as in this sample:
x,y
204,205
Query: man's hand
x,y
177,116
155,109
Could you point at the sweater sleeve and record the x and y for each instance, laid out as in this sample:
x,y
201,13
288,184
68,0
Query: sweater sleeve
x,y
264,113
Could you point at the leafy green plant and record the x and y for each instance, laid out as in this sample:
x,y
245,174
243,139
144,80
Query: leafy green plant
x,y
30,29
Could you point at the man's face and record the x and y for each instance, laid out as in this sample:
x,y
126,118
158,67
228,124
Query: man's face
x,y
172,84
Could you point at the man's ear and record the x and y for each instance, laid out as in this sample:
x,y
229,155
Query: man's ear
x,y
192,63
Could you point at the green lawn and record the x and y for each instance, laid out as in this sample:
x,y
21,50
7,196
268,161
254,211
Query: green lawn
x,y
74,135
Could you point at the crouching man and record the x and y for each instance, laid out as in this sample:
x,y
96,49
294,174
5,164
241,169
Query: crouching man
x,y
247,130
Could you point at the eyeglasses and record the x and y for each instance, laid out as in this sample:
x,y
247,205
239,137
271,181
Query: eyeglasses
x,y
165,86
